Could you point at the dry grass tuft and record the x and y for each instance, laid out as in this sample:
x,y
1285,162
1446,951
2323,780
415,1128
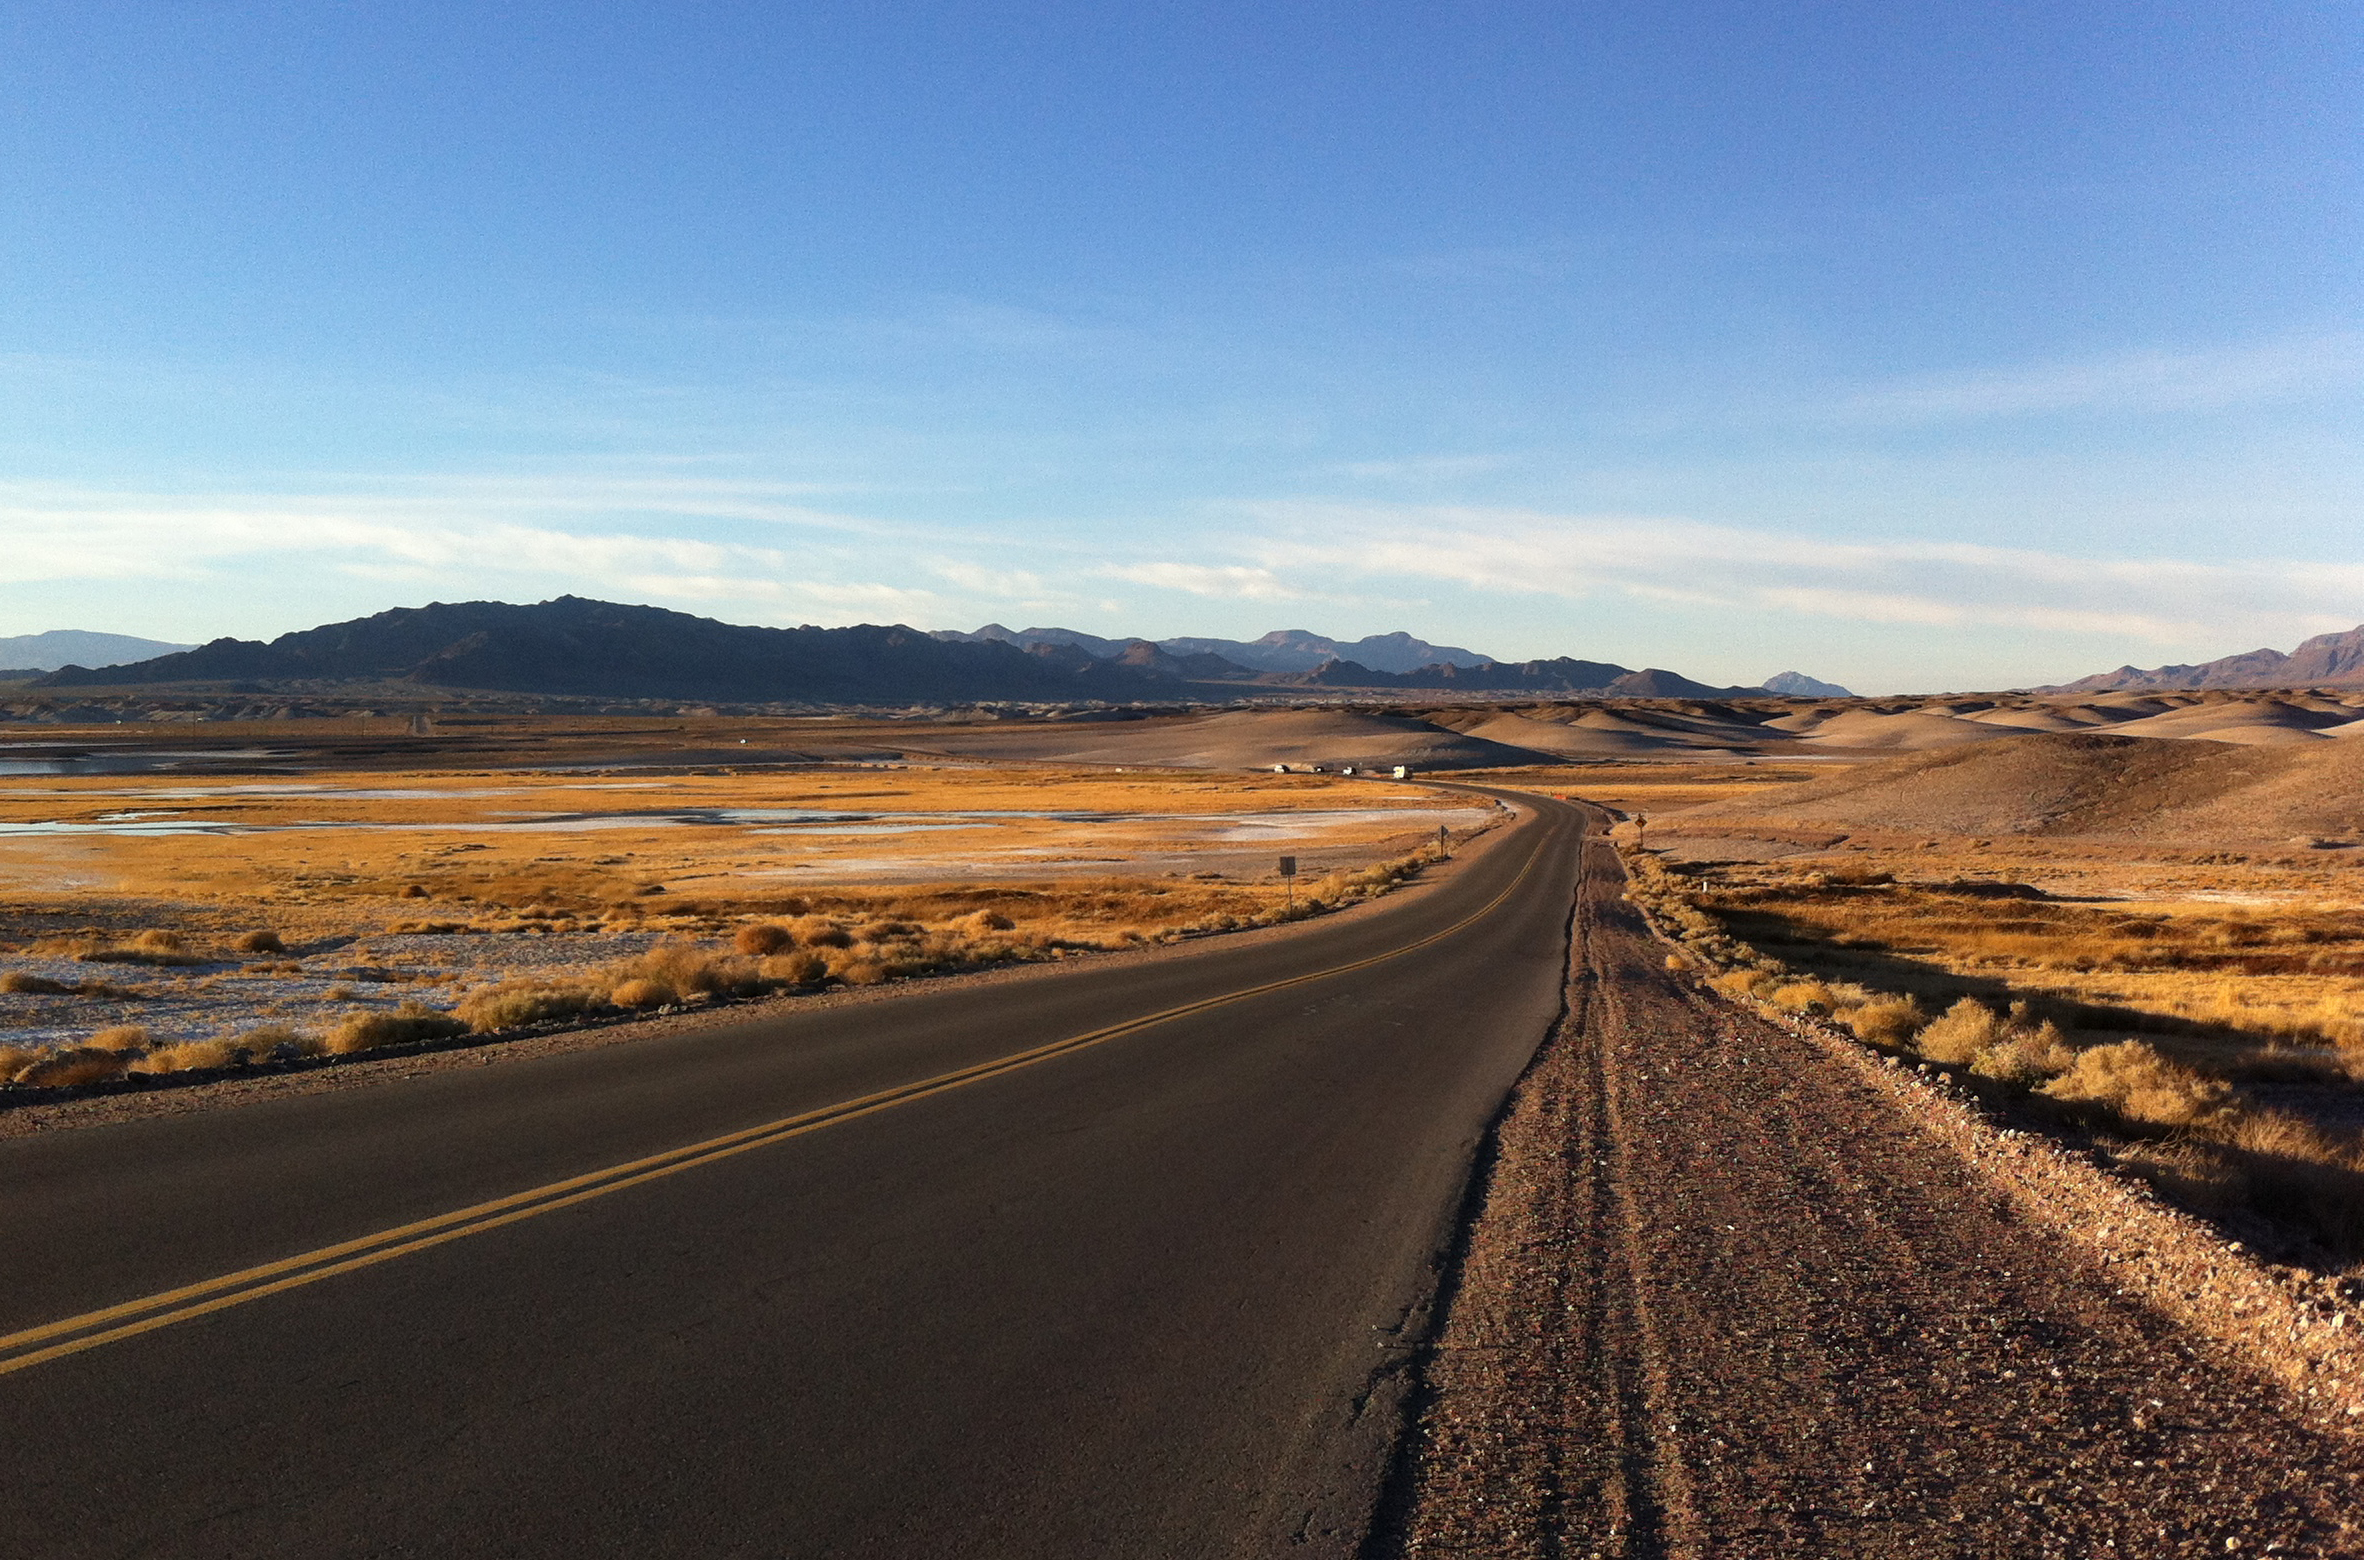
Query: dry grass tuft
x,y
155,946
21,983
133,1038
263,941
15,1059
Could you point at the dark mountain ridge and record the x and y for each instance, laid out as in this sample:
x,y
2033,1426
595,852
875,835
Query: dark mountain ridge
x,y
1282,650
574,647
2325,661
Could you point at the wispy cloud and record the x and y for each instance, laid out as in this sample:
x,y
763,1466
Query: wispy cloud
x,y
460,538
1225,581
2131,382
1424,468
1906,582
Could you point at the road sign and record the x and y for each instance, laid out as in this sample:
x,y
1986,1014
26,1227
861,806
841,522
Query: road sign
x,y
1288,866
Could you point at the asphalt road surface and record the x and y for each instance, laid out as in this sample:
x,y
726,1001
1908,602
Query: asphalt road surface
x,y
838,1282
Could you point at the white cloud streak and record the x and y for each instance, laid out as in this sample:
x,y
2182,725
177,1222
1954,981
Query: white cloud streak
x,y
460,539
1221,581
2131,382
1911,583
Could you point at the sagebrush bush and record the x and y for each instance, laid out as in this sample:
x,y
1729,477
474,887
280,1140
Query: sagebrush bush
x,y
275,1040
2132,1079
762,939
515,1002
1888,1021
814,931
409,1022
188,1056
69,1068
686,968
642,992
1964,1030
802,968
1744,984
2026,1056
1803,996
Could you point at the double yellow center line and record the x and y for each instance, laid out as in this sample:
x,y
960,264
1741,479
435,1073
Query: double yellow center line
x,y
55,1340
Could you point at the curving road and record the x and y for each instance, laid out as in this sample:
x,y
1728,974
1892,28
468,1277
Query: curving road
x,y
976,1271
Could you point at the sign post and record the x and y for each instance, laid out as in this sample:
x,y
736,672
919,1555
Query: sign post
x,y
1444,840
1288,872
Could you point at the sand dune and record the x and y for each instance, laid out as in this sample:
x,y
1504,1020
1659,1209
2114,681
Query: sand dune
x,y
1574,740
2093,785
1878,731
2029,719
1240,739
2258,722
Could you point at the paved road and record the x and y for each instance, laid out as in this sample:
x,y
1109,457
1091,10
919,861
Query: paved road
x,y
1148,1297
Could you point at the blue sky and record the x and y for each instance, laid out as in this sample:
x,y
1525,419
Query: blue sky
x,y
1915,347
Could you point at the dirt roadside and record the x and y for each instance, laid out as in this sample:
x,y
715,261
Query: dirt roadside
x,y
1725,1297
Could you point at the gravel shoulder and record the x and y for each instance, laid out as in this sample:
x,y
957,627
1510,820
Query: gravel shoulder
x,y
1731,1294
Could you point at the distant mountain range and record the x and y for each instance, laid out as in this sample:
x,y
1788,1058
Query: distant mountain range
x,y
1282,650
77,647
599,649
1798,685
2325,661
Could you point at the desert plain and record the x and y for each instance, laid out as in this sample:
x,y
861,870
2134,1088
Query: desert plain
x,y
2136,916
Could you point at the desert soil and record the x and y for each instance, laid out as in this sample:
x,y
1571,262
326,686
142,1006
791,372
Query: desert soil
x,y
1726,1298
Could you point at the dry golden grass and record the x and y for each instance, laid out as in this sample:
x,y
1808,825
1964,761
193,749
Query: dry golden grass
x,y
439,837
729,923
2017,975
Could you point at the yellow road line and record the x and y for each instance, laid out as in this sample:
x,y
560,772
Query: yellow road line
x,y
216,1294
